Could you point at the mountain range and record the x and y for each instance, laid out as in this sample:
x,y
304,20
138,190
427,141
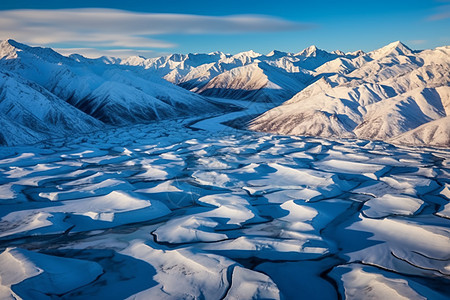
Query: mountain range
x,y
392,93
44,94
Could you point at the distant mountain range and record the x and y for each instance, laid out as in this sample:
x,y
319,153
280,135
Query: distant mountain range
x,y
274,77
392,93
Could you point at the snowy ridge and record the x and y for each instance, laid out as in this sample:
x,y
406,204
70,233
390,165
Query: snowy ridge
x,y
45,94
376,95
204,73
196,208
379,96
257,81
31,113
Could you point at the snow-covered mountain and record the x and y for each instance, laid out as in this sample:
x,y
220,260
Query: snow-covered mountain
x,y
257,81
30,113
436,132
43,94
273,77
392,93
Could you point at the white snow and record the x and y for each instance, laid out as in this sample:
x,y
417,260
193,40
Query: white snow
x,y
366,282
177,212
28,274
113,209
194,209
248,284
46,94
391,205
390,94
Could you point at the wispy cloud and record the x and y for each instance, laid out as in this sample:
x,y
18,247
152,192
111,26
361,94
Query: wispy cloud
x,y
417,42
442,13
94,53
118,29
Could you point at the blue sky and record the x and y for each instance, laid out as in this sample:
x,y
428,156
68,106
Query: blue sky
x,y
152,28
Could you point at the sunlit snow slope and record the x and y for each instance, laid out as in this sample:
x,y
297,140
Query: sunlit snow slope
x,y
392,94
45,94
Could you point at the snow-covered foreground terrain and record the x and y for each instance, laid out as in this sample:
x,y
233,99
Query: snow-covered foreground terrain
x,y
191,209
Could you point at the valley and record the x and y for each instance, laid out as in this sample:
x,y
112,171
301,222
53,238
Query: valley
x,y
188,208
324,175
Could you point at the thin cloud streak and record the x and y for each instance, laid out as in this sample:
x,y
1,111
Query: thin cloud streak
x,y
417,42
443,14
96,53
113,29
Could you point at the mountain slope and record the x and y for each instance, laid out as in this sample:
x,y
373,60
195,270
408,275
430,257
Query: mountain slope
x,y
33,113
381,95
127,98
276,76
75,94
434,133
257,81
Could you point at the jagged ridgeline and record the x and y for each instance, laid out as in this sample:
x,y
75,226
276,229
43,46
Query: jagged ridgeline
x,y
393,93
44,94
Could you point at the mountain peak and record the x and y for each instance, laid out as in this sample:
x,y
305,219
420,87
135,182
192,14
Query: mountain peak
x,y
220,53
355,53
178,57
101,59
249,53
399,46
16,44
338,52
8,49
11,43
311,51
276,53
134,60
394,48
